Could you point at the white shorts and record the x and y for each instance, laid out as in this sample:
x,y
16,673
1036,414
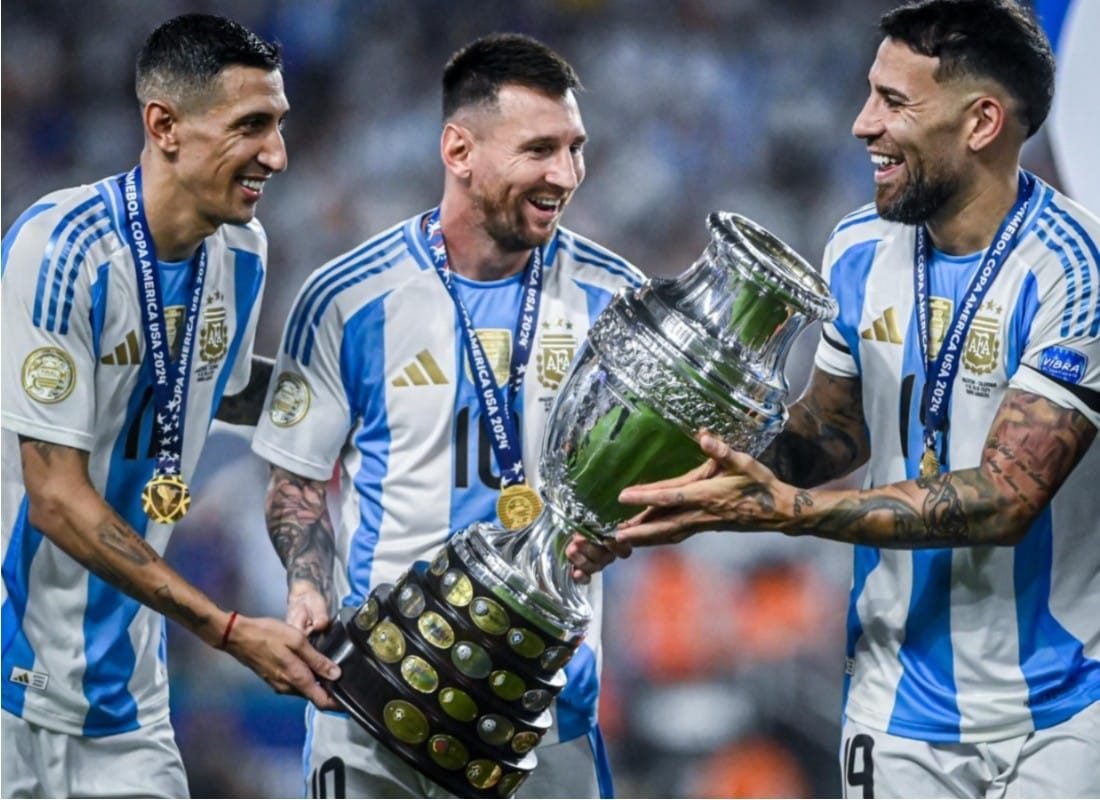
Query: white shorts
x,y
38,762
1061,761
343,760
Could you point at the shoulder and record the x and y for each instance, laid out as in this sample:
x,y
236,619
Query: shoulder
x,y
88,211
367,271
863,234
591,262
1061,228
72,225
353,280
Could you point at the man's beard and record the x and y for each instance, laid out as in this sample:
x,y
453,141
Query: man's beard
x,y
508,233
920,199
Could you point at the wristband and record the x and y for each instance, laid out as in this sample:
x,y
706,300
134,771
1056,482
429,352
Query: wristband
x,y
228,629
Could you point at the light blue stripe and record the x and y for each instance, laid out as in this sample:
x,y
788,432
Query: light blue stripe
x,y
341,273
864,561
47,257
912,364
99,306
13,231
17,650
363,371
576,705
1061,679
927,693
1080,261
597,299
1094,252
1059,249
90,237
1019,324
848,283
603,763
248,271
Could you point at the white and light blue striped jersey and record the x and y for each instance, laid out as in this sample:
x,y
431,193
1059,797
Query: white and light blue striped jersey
x,y
973,643
372,372
79,656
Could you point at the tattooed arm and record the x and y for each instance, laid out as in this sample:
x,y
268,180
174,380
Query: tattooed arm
x,y
825,437
1032,447
70,512
300,527
245,407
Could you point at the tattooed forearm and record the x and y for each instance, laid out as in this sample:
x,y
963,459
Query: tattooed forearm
x,y
245,407
1032,446
166,603
300,529
825,436
126,543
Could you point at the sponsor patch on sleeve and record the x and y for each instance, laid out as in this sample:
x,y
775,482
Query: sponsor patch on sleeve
x,y
1063,363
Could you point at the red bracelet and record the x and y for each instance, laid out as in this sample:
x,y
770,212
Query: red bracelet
x,y
228,628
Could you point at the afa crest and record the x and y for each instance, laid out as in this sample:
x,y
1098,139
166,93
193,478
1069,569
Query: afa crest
x,y
213,333
983,346
556,347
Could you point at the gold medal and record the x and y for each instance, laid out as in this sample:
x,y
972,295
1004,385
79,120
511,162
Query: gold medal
x,y
518,505
165,498
929,464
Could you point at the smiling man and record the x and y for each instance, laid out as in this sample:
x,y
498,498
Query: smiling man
x,y
129,312
964,371
375,371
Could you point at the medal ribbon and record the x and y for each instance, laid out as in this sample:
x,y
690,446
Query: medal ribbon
x,y
940,376
495,401
170,379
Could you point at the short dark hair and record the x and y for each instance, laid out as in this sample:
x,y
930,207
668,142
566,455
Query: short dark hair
x,y
995,39
474,75
183,57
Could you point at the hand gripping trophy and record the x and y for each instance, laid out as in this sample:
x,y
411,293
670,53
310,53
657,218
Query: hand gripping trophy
x,y
454,666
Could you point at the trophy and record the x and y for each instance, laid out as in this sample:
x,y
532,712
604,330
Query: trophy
x,y
455,665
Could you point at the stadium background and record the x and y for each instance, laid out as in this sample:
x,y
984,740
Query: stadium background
x,y
723,656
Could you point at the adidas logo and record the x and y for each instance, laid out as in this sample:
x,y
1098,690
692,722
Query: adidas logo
x,y
32,680
422,371
884,329
126,353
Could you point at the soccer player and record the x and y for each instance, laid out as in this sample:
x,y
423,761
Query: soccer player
x,y
129,312
964,371
374,371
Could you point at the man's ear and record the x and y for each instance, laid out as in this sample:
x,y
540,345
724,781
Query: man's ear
x,y
162,126
987,119
456,147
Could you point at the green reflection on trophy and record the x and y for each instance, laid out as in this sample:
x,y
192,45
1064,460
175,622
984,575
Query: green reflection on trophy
x,y
455,666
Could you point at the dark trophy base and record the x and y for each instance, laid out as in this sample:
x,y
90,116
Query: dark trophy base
x,y
449,676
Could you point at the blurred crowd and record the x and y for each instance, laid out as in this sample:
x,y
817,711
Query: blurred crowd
x,y
723,656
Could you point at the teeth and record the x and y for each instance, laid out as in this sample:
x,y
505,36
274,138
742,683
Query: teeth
x,y
255,184
544,203
884,161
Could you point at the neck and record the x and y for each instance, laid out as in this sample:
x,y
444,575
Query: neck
x,y
177,228
969,222
472,252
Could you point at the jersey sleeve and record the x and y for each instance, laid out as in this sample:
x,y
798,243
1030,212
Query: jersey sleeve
x,y
307,414
833,355
1061,358
49,359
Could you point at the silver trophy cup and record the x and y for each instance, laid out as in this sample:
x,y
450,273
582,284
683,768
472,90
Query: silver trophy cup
x,y
454,667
